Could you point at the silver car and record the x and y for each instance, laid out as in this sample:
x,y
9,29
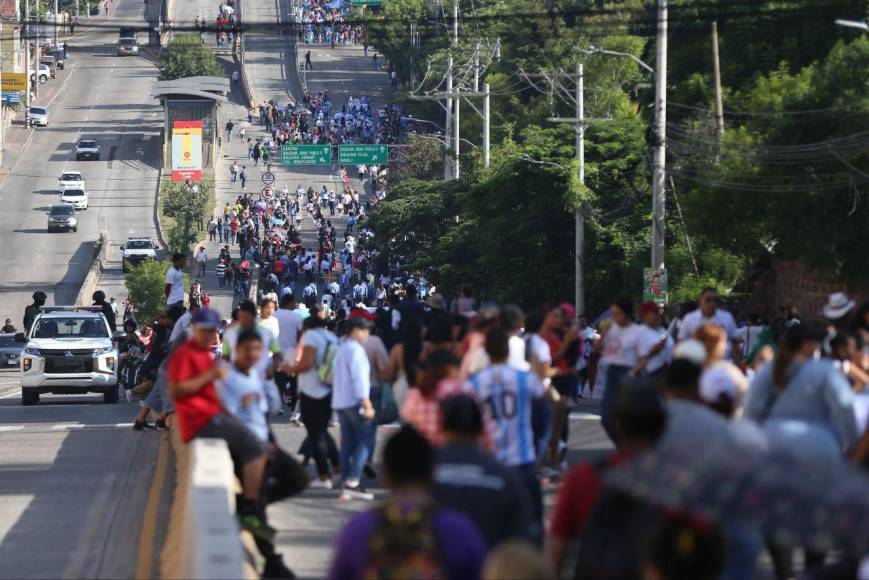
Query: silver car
x,y
10,350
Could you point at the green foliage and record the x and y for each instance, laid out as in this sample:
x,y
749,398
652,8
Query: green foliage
x,y
186,56
188,209
146,284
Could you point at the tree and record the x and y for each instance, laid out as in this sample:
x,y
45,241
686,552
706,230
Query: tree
x,y
186,56
146,284
187,207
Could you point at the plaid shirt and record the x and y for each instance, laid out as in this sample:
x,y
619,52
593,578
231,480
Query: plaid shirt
x,y
425,415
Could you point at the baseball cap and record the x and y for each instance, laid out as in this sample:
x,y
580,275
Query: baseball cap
x,y
649,306
206,318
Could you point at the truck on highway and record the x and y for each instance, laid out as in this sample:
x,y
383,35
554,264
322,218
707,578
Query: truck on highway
x,y
69,350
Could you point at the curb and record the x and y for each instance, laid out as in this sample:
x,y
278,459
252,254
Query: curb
x,y
157,227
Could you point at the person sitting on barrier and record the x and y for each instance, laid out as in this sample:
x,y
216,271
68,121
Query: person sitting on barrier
x,y
192,373
242,393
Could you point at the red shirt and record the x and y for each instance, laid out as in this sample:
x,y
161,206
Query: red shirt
x,y
578,495
193,411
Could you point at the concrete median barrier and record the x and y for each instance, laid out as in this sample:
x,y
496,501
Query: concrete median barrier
x,y
92,279
203,539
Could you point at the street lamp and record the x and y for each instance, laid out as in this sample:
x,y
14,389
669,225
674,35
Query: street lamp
x,y
860,25
439,140
660,152
597,50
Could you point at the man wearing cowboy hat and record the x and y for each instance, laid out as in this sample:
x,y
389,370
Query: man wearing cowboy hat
x,y
836,311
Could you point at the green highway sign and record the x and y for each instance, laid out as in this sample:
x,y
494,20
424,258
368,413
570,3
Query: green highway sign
x,y
362,154
306,154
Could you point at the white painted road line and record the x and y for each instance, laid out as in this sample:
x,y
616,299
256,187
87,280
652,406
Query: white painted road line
x,y
583,416
11,428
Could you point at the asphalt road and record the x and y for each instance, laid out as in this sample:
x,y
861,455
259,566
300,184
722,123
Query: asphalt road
x,y
75,476
106,98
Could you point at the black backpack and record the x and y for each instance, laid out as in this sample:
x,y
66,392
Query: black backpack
x,y
612,541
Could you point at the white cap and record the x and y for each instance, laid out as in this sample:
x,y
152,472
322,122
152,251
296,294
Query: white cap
x,y
716,381
692,350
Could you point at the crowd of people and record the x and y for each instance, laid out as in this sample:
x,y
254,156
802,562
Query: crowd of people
x,y
482,393
324,22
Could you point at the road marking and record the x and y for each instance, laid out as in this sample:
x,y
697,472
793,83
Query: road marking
x,y
10,395
65,427
144,564
584,416
11,428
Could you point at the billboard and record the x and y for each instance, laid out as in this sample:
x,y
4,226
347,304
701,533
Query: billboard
x,y
14,81
186,150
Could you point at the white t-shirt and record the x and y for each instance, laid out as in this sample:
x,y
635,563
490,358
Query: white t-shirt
x,y
539,349
649,339
695,319
271,323
175,279
621,345
289,325
309,381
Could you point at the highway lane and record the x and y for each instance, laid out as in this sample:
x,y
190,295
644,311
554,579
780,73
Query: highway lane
x,y
75,476
106,99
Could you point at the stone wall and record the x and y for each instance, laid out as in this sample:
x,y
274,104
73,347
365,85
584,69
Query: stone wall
x,y
792,283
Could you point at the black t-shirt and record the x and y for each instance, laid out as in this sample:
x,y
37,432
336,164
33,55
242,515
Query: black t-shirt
x,y
473,482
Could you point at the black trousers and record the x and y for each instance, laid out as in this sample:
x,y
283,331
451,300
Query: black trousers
x,y
315,418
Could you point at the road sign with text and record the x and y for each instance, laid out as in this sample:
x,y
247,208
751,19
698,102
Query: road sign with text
x,y
306,154
14,81
363,154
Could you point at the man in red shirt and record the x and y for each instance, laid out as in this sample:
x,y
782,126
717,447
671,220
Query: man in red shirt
x,y
640,420
192,372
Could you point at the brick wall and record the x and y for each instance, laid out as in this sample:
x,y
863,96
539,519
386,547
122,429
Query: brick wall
x,y
791,283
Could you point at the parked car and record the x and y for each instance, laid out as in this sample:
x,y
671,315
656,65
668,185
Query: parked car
x,y
44,74
57,53
39,116
51,63
87,149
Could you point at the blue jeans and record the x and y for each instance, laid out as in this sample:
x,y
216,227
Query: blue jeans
x,y
355,439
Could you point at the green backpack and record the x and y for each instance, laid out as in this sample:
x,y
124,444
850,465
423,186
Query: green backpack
x,y
327,366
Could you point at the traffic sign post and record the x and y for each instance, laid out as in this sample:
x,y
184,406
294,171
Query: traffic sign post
x,y
268,178
306,154
363,154
267,192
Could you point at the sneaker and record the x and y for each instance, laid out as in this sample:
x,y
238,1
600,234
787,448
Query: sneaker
x,y
355,492
275,568
296,419
369,471
160,425
257,527
141,425
320,484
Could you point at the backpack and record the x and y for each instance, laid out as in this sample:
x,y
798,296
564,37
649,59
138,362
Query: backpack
x,y
613,539
327,366
404,544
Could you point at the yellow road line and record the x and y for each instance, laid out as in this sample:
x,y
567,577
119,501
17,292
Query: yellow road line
x,y
145,561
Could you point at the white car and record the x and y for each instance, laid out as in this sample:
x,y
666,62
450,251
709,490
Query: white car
x,y
137,250
70,180
69,351
39,116
44,74
77,198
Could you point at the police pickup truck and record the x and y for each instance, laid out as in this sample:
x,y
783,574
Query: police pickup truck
x,y
69,350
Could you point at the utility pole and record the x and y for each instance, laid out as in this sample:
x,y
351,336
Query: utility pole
x,y
716,64
659,159
456,140
55,22
448,124
486,120
580,121
27,62
579,219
